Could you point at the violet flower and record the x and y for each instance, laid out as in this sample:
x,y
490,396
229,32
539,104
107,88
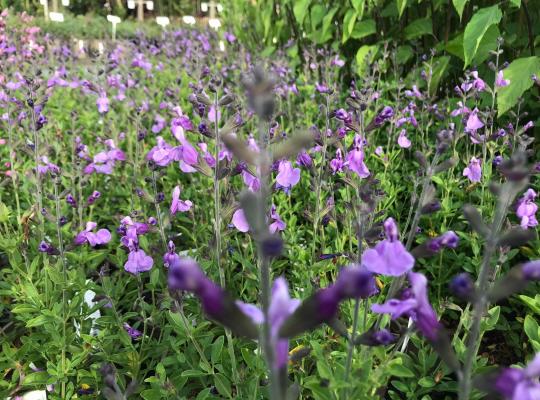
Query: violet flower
x,y
287,176
389,257
277,223
526,209
336,164
239,221
473,122
519,384
355,158
102,236
138,261
414,305
134,333
281,307
474,170
403,140
102,103
478,83
500,81
178,205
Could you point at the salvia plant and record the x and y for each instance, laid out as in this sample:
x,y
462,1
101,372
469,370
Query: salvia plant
x,y
183,218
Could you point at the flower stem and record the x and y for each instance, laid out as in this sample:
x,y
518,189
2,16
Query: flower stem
x,y
482,284
217,231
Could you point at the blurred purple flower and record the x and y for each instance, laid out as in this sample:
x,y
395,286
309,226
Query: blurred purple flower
x,y
403,140
519,384
134,333
277,223
500,81
239,221
355,158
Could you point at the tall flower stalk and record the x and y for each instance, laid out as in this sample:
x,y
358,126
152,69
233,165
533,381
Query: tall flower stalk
x,y
217,229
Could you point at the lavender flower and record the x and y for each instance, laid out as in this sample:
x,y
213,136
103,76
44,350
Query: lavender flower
x,y
178,205
102,236
474,170
355,158
239,221
287,176
277,223
389,257
526,209
519,384
473,122
416,306
138,261
500,81
403,141
134,333
336,164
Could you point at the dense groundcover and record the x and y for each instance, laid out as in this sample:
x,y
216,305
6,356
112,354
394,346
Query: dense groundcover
x,y
183,218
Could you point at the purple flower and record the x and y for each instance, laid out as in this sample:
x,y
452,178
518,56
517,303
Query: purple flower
x,y
102,236
416,306
386,113
389,257
185,274
355,159
531,270
520,384
277,223
281,307
478,83
403,140
134,333
473,122
239,221
159,124
336,164
474,170
321,88
102,103
287,176
414,92
170,257
448,239
178,205
526,209
138,262
500,81
304,159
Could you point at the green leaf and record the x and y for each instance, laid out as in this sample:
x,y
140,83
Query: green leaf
x,y
516,3
358,5
459,5
493,316
477,28
427,382
400,371
151,394
417,28
317,14
223,385
37,321
300,10
519,74
348,24
193,373
217,347
441,64
325,33
363,29
404,54
401,5
530,326
487,45
364,56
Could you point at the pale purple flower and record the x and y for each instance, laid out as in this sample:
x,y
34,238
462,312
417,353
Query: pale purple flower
x,y
178,205
252,182
389,257
102,236
519,384
159,124
473,122
321,88
281,307
500,81
474,170
379,151
414,92
462,109
337,61
336,164
526,209
102,103
478,83
239,221
416,306
287,176
403,140
277,223
355,159
138,262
